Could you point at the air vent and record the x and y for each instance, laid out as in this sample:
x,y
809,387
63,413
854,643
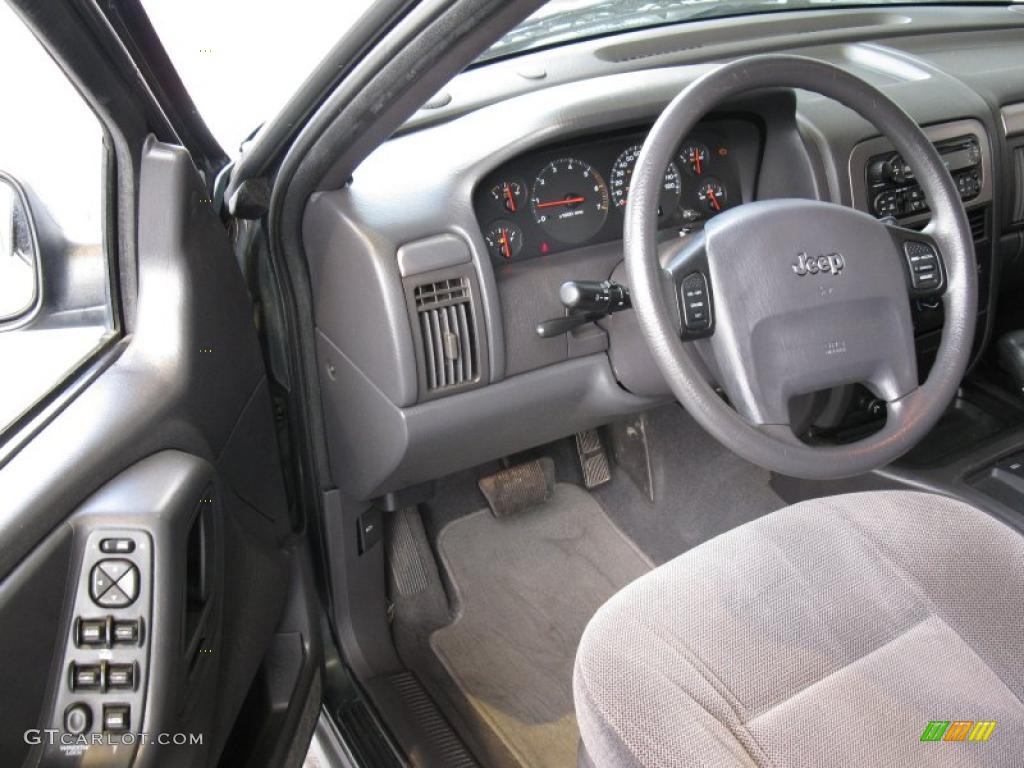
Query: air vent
x,y
978,219
448,333
1018,182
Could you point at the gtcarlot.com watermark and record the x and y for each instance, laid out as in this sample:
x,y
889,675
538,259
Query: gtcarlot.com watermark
x,y
54,737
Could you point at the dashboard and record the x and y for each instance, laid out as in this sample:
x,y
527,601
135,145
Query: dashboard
x,y
427,295
574,193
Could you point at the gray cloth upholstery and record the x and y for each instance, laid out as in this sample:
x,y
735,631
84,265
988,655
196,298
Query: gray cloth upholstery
x,y
828,633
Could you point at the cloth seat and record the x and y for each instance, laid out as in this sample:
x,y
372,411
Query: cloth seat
x,y
829,633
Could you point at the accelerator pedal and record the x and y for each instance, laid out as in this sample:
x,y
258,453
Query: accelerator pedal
x,y
593,458
520,487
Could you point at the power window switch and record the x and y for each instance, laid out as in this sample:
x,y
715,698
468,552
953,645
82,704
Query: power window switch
x,y
86,677
126,631
116,718
92,633
121,677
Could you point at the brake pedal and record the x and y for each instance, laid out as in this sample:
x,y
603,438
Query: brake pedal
x,y
520,487
593,458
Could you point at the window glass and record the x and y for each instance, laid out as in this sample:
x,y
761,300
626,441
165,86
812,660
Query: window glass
x,y
55,307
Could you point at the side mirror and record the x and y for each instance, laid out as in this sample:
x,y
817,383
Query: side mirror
x,y
19,253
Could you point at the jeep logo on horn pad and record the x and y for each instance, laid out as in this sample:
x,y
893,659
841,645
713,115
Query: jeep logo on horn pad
x,y
807,265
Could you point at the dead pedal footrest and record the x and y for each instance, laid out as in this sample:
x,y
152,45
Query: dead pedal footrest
x,y
521,487
593,458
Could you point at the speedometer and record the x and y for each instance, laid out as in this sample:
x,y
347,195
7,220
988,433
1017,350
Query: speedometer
x,y
622,174
569,200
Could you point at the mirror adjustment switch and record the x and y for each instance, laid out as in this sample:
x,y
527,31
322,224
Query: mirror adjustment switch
x,y
114,583
121,677
86,677
92,633
116,718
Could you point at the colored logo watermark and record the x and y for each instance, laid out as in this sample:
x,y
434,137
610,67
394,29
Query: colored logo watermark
x,y
958,730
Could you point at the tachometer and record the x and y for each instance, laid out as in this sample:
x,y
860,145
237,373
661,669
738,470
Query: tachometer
x,y
569,200
622,174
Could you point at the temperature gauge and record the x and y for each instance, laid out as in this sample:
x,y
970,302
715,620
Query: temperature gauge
x,y
509,194
695,158
504,241
712,195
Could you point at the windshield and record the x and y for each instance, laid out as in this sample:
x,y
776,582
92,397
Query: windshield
x,y
560,21
241,60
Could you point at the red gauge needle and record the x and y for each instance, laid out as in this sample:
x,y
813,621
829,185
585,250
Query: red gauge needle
x,y
565,201
505,249
714,200
697,164
510,198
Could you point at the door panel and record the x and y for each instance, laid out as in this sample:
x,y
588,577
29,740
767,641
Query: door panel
x,y
172,444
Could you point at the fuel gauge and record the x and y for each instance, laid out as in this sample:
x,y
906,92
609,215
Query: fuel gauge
x,y
504,241
510,194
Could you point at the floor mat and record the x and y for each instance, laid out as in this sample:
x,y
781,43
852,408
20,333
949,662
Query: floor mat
x,y
701,489
526,586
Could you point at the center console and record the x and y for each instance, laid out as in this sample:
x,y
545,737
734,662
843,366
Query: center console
x,y
883,184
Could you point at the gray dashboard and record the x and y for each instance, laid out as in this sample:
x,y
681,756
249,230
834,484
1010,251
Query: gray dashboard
x,y
429,360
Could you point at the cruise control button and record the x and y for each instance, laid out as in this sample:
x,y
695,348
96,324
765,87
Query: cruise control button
x,y
923,259
694,295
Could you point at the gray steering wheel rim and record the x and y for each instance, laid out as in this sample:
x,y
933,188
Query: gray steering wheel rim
x,y
910,418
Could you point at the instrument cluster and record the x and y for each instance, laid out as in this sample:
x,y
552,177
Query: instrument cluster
x,y
575,194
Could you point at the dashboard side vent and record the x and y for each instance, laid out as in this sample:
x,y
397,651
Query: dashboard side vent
x,y
1018,183
448,333
978,219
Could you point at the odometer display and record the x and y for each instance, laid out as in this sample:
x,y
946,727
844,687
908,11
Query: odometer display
x,y
569,200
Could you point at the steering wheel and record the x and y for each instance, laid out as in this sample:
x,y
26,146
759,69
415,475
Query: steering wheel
x,y
779,298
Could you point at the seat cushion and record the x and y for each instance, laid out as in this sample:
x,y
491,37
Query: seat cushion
x,y
829,633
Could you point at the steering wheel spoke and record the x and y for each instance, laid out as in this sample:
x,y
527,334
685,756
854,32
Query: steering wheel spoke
x,y
922,261
688,282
